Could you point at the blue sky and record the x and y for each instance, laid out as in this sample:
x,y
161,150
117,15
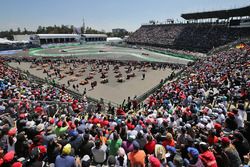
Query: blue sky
x,y
101,14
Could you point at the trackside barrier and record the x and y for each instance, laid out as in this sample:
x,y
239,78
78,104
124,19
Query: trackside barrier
x,y
158,86
76,95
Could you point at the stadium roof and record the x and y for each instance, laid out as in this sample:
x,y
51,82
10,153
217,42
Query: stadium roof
x,y
49,36
45,36
220,14
94,35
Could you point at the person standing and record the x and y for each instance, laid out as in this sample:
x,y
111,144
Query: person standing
x,y
65,159
143,76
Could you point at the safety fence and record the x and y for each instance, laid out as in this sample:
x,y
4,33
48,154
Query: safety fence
x,y
142,97
76,95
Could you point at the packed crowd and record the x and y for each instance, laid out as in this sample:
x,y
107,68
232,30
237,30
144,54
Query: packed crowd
x,y
198,120
193,37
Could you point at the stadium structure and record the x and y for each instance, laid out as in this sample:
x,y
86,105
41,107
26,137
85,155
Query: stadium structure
x,y
40,39
201,32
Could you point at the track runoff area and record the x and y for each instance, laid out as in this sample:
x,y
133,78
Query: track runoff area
x,y
112,91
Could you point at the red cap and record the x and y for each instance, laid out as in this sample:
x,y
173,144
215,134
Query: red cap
x,y
154,161
59,124
73,126
12,131
225,140
9,156
217,126
17,164
1,161
230,114
52,121
22,116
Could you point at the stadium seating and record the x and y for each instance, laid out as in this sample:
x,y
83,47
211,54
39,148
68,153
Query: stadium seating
x,y
193,37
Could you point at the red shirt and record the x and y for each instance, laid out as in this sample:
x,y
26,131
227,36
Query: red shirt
x,y
150,147
95,120
120,111
74,106
104,123
212,140
168,143
39,110
130,126
208,159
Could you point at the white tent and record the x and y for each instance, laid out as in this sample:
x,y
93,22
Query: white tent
x,y
6,41
114,40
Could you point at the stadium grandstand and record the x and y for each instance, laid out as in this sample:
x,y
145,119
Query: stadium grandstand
x,y
40,39
202,32
198,114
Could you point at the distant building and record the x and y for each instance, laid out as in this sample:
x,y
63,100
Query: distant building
x,y
119,30
21,38
93,38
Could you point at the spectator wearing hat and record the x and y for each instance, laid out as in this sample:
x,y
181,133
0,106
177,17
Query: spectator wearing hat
x,y
11,140
230,122
137,156
194,160
8,158
99,152
206,156
75,140
61,128
17,164
231,152
171,153
220,156
153,161
65,159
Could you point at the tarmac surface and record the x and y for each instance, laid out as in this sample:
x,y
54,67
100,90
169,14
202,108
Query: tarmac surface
x,y
112,91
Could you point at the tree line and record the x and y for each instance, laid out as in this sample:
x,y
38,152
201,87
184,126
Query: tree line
x,y
63,29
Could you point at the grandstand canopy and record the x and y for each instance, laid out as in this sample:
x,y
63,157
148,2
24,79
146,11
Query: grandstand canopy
x,y
51,36
220,14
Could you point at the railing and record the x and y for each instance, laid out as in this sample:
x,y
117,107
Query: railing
x,y
76,95
142,97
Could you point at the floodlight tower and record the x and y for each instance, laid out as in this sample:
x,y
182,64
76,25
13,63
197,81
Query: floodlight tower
x,y
83,26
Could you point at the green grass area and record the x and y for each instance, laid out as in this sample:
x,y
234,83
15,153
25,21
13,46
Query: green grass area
x,y
183,56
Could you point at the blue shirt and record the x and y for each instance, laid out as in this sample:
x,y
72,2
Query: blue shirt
x,y
65,161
